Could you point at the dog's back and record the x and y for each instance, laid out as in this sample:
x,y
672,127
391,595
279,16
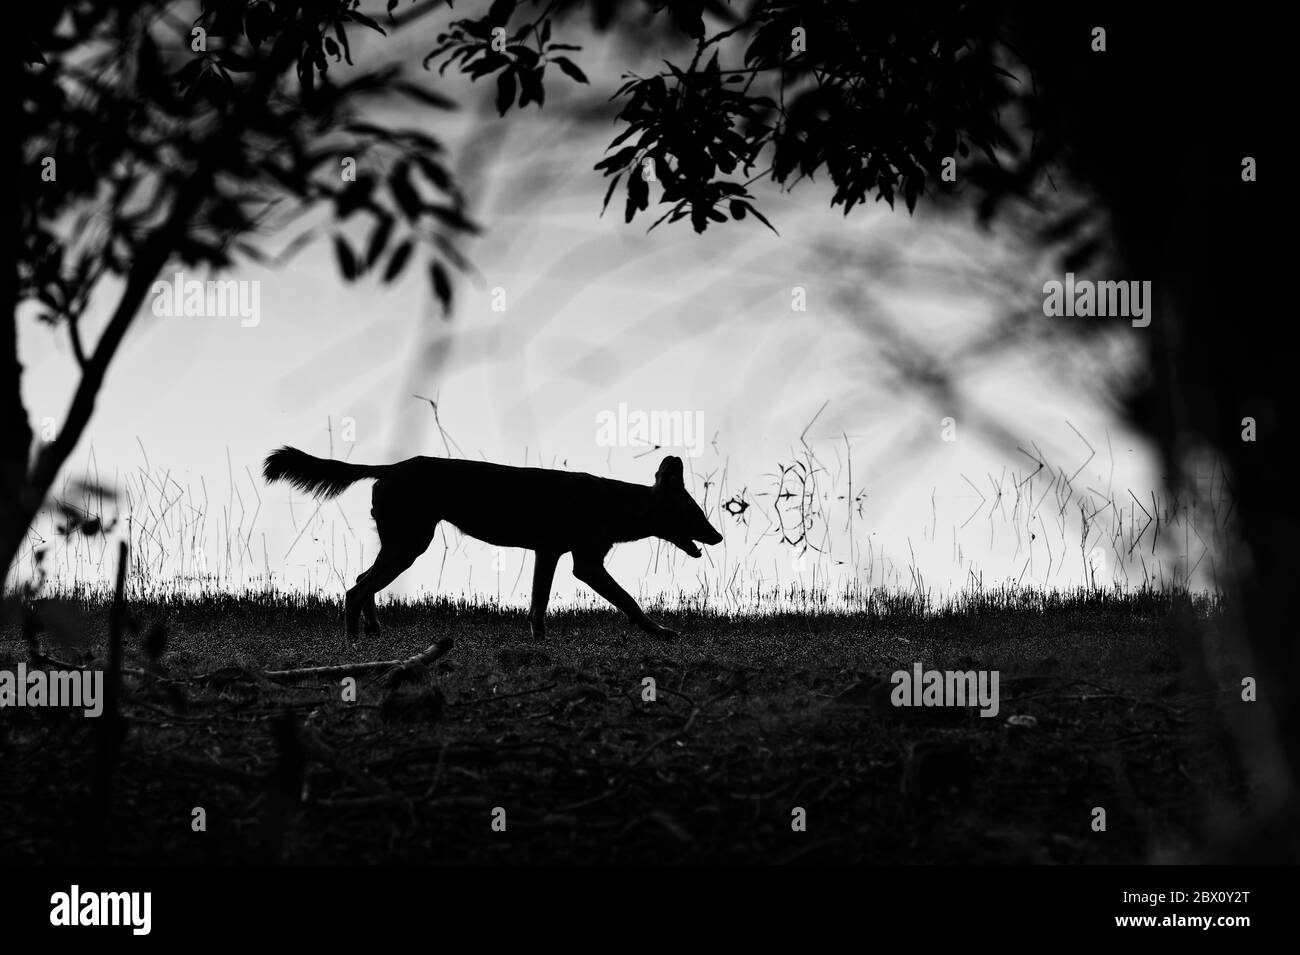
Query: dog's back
x,y
537,508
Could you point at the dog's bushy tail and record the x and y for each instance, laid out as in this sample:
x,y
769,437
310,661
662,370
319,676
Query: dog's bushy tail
x,y
319,477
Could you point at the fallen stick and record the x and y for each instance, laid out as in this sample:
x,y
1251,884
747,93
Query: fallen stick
x,y
421,659
424,658
44,660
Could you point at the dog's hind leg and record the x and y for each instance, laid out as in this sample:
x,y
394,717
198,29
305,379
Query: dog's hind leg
x,y
403,536
358,600
388,566
369,614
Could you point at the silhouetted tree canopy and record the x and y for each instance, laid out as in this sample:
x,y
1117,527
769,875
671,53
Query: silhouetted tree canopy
x,y
875,96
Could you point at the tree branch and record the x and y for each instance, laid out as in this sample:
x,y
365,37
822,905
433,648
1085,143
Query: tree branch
x,y
152,257
149,260
74,333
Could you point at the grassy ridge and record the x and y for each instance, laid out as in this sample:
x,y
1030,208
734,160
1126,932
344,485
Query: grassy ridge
x,y
755,715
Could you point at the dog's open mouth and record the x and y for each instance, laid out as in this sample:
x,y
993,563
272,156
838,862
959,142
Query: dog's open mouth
x,y
688,546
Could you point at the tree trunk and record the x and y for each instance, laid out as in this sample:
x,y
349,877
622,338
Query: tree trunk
x,y
29,489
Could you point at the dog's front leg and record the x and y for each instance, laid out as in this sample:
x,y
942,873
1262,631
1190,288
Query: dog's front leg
x,y
590,569
543,573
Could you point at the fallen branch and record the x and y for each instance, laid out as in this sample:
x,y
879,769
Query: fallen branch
x,y
422,659
54,663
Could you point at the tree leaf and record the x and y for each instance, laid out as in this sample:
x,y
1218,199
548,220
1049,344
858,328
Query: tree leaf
x,y
570,69
610,192
638,192
505,91
531,89
379,239
347,261
399,181
761,218
398,261
365,21
441,287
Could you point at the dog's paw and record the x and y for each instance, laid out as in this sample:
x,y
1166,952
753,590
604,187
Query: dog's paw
x,y
663,633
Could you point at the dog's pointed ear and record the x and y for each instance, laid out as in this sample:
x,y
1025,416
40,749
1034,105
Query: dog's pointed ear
x,y
670,473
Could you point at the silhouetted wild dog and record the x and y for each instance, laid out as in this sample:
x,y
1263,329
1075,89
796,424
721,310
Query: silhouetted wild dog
x,y
547,511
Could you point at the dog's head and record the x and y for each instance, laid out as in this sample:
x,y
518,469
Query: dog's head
x,y
678,519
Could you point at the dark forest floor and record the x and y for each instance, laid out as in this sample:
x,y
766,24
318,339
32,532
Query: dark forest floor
x,y
754,717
